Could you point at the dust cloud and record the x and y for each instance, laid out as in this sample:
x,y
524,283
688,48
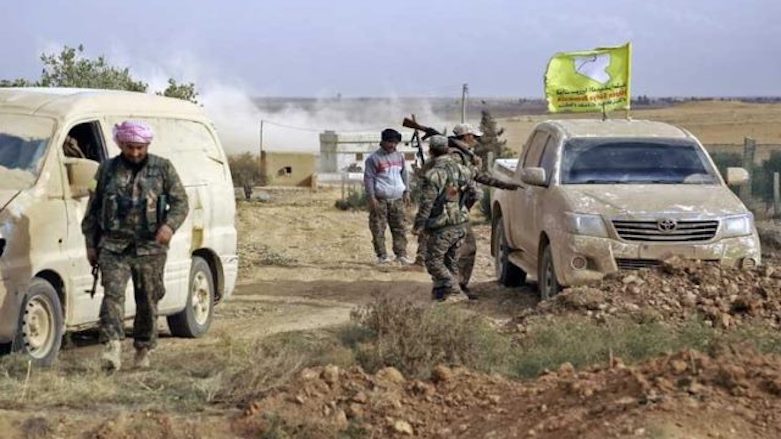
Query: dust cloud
x,y
295,124
291,124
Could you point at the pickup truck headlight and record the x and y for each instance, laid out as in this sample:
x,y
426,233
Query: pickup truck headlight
x,y
739,225
585,224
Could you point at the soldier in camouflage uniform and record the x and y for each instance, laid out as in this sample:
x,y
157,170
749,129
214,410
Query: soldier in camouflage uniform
x,y
443,217
467,136
138,204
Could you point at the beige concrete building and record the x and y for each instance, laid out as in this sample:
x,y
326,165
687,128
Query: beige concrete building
x,y
280,168
341,152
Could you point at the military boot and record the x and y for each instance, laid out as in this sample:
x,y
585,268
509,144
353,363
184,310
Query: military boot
x,y
469,294
111,358
455,295
142,358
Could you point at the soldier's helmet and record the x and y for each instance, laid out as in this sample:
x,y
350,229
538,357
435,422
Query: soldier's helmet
x,y
437,145
465,128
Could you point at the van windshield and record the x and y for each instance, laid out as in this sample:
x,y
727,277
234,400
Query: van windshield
x,y
23,141
635,161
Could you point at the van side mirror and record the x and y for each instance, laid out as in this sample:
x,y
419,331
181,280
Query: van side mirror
x,y
534,176
737,176
81,175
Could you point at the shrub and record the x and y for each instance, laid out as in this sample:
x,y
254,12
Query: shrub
x,y
415,337
245,169
356,199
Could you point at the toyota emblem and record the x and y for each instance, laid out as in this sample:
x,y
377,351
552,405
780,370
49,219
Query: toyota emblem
x,y
667,225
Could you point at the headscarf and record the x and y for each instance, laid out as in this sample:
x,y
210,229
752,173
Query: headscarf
x,y
133,131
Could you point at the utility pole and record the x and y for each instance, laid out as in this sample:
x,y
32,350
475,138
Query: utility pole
x,y
464,91
777,195
261,136
260,155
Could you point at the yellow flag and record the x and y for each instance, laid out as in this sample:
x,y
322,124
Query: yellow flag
x,y
591,80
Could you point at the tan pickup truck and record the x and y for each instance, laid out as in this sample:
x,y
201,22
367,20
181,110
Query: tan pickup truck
x,y
601,196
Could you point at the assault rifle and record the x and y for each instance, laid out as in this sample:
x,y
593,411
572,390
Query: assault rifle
x,y
451,140
415,142
95,275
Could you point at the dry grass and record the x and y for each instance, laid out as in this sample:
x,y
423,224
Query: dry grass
x,y
582,342
413,338
391,331
711,122
231,372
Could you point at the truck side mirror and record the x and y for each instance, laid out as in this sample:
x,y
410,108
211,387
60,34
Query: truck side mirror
x,y
534,176
81,175
737,176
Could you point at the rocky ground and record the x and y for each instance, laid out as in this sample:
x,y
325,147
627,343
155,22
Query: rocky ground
x,y
676,292
738,393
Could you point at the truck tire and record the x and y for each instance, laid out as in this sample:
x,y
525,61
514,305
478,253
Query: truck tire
x,y
195,319
548,283
41,325
507,273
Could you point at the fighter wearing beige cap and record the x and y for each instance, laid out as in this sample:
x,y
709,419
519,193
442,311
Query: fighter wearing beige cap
x,y
468,137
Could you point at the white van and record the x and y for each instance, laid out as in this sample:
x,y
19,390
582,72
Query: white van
x,y
51,142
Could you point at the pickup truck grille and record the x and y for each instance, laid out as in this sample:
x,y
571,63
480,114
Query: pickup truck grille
x,y
666,230
637,264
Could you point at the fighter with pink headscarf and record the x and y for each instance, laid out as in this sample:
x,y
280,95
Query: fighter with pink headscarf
x,y
138,204
133,131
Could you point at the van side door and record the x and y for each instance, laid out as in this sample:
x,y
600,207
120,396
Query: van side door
x,y
84,141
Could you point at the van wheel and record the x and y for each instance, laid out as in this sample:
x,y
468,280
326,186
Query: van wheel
x,y
41,325
196,317
507,273
548,283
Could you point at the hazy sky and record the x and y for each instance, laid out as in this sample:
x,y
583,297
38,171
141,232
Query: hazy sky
x,y
405,47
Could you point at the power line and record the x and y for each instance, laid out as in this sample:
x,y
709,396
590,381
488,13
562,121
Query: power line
x,y
361,130
319,130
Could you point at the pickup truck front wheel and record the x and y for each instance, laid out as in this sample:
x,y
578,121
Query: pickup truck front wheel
x,y
548,283
507,273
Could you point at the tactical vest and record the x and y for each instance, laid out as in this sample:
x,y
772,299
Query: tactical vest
x,y
132,208
448,208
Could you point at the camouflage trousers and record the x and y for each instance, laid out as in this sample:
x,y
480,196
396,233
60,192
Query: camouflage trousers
x,y
442,255
388,213
116,269
466,254
420,256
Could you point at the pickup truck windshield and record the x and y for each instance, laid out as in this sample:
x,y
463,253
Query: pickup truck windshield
x,y
635,161
23,141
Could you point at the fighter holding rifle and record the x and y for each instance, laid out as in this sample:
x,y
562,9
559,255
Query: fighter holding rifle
x,y
460,147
